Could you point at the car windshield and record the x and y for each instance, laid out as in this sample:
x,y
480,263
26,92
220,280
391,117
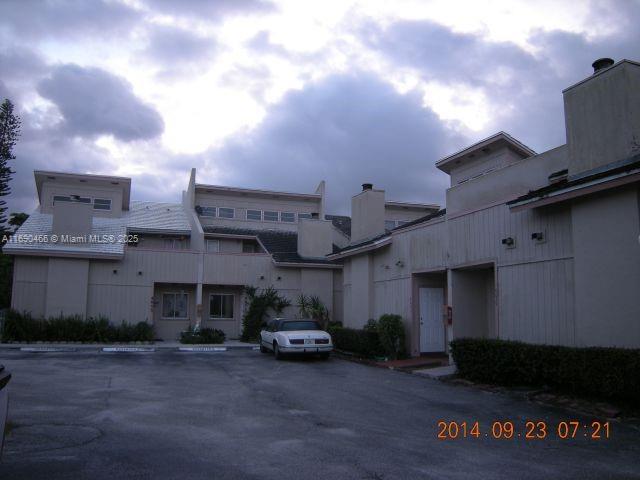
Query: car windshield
x,y
299,325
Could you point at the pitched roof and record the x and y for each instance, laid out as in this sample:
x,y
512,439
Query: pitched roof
x,y
576,182
420,220
281,245
341,222
364,243
500,138
154,217
34,237
157,217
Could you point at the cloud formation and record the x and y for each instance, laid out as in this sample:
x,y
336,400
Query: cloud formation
x,y
273,95
175,49
95,102
346,129
32,19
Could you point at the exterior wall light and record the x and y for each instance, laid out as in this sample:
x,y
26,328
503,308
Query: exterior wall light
x,y
538,237
509,242
115,271
399,264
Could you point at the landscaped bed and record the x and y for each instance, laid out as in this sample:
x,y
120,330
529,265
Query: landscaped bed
x,y
22,327
599,373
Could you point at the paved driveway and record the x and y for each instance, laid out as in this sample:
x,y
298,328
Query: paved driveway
x,y
241,414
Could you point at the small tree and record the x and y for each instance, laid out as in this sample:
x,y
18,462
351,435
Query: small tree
x,y
257,306
312,307
9,133
17,219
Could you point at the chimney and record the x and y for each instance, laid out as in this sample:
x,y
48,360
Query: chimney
x,y
315,237
602,116
74,218
367,214
601,64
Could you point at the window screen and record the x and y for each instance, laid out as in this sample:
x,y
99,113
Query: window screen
x,y
287,217
270,216
174,305
254,215
221,305
224,212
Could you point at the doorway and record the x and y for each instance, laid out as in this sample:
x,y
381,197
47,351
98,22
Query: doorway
x,y
432,334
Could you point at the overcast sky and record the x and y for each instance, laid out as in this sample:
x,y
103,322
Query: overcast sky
x,y
283,94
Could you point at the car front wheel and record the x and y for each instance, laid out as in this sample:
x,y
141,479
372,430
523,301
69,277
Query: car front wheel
x,y
277,352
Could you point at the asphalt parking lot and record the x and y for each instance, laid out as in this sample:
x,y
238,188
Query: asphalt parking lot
x,y
242,414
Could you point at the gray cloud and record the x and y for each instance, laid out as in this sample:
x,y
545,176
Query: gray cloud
x,y
65,18
177,51
525,91
169,44
211,10
346,130
93,102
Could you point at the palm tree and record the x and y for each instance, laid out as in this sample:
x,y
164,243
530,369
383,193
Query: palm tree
x,y
312,307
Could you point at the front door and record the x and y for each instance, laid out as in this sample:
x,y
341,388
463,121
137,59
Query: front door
x,y
431,324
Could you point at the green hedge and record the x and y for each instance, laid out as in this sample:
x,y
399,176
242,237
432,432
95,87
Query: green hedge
x,y
612,373
204,335
22,327
360,342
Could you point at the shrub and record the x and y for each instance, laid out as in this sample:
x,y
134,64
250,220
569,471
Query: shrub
x,y
312,307
257,309
611,373
204,335
22,327
360,342
391,333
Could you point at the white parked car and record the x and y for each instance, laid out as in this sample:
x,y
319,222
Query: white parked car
x,y
284,336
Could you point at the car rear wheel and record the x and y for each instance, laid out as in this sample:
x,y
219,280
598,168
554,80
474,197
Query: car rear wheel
x,y
276,351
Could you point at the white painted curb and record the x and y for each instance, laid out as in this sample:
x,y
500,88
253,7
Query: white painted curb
x,y
128,349
202,349
47,349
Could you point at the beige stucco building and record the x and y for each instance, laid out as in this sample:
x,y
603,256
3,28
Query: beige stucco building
x,y
541,248
90,250
537,247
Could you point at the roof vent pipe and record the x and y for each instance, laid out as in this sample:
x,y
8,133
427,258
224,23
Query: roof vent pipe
x,y
601,63
367,186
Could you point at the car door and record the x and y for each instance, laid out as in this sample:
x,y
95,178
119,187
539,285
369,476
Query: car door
x,y
266,335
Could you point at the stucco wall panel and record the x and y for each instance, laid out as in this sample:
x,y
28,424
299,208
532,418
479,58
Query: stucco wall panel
x,y
536,302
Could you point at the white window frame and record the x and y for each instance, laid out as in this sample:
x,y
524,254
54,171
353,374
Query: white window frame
x,y
162,315
231,210
214,211
67,198
102,200
174,241
254,211
293,219
264,215
233,301
212,241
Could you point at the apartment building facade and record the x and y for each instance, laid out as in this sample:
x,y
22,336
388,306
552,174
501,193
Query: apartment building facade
x,y
89,250
537,247
541,248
